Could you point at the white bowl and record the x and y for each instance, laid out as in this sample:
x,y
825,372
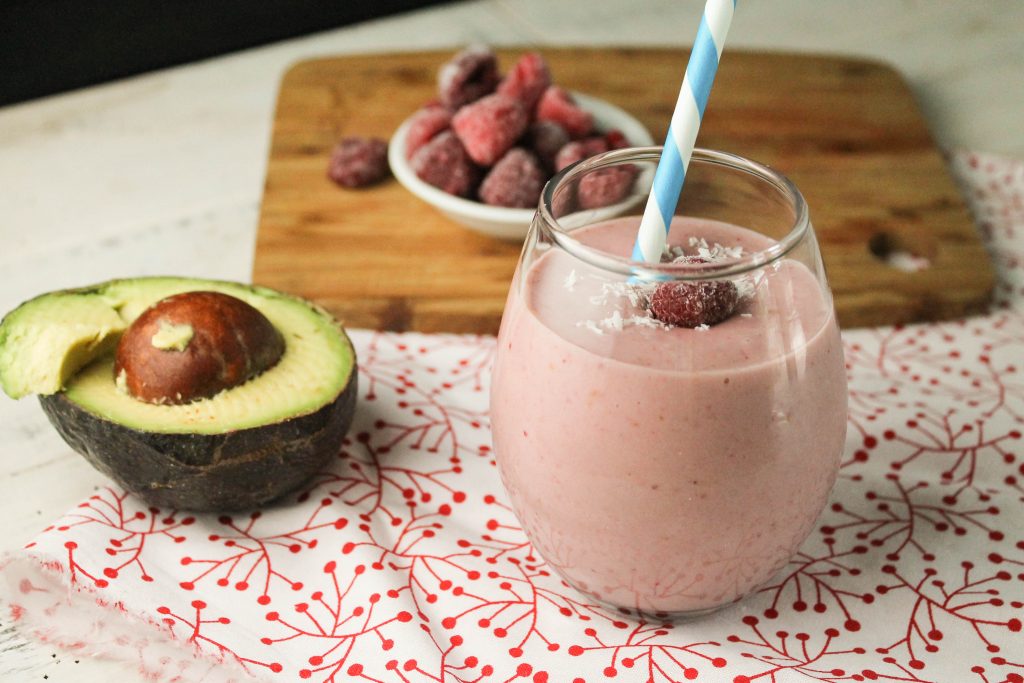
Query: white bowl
x,y
499,221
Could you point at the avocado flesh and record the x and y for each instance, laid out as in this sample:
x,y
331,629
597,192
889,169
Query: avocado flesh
x,y
315,367
78,326
45,341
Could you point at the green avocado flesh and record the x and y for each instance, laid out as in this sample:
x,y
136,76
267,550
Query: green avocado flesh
x,y
47,340
65,339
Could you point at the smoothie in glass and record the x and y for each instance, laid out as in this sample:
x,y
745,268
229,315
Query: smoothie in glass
x,y
658,467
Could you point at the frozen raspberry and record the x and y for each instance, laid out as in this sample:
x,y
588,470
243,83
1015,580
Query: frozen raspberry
x,y
489,127
443,163
424,125
615,139
564,203
558,105
546,138
515,181
579,150
527,80
358,162
467,77
605,186
692,304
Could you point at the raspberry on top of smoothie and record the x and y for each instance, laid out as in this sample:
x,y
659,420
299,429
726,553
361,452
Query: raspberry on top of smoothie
x,y
694,304
697,304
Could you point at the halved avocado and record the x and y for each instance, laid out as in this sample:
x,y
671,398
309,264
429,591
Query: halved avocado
x,y
240,448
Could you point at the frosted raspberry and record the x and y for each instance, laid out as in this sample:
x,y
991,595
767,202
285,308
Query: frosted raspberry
x,y
558,105
579,150
569,154
443,163
564,203
489,127
424,125
605,186
615,139
358,162
515,181
546,138
527,80
467,77
691,304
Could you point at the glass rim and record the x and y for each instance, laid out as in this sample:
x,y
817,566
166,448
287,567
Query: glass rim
x,y
676,271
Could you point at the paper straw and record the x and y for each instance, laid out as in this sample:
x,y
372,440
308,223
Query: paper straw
x,y
682,131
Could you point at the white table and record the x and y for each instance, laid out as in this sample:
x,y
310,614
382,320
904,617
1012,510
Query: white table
x,y
163,173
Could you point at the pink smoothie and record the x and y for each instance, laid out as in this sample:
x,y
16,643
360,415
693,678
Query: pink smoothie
x,y
674,469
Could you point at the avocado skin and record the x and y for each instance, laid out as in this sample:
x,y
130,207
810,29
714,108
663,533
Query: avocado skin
x,y
208,472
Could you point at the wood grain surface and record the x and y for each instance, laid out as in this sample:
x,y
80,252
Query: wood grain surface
x,y
848,132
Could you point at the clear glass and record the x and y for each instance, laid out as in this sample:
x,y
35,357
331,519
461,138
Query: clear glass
x,y
661,468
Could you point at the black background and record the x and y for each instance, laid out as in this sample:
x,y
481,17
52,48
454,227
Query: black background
x,y
49,46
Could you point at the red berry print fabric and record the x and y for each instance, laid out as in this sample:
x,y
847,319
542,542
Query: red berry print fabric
x,y
403,562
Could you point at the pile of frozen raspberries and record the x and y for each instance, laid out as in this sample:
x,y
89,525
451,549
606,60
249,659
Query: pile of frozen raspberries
x,y
494,139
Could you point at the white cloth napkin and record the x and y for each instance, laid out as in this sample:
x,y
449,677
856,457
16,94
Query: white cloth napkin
x,y
403,561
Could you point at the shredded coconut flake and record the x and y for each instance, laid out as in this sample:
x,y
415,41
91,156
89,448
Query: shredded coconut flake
x,y
637,294
746,285
590,325
570,280
673,252
717,252
702,328
646,321
616,322
613,322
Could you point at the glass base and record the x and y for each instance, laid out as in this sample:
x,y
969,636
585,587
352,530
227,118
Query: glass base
x,y
654,616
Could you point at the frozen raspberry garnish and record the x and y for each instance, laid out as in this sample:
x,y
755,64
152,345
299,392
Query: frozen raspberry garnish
x,y
558,105
358,162
546,138
527,80
579,150
443,163
424,125
692,304
605,186
489,127
467,77
515,181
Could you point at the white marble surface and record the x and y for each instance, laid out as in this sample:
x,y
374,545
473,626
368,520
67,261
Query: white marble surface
x,y
163,173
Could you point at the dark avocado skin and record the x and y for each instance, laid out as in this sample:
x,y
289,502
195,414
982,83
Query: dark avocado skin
x,y
206,472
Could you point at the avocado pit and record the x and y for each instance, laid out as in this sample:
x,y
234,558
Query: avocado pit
x,y
194,345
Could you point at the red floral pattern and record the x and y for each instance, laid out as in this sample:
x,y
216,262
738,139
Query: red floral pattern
x,y
403,561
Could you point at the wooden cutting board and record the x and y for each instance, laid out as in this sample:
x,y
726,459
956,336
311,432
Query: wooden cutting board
x,y
847,131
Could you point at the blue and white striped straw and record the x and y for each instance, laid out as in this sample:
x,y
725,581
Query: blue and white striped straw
x,y
682,131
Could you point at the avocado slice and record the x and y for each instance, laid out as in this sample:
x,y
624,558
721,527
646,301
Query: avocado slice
x,y
46,340
240,448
